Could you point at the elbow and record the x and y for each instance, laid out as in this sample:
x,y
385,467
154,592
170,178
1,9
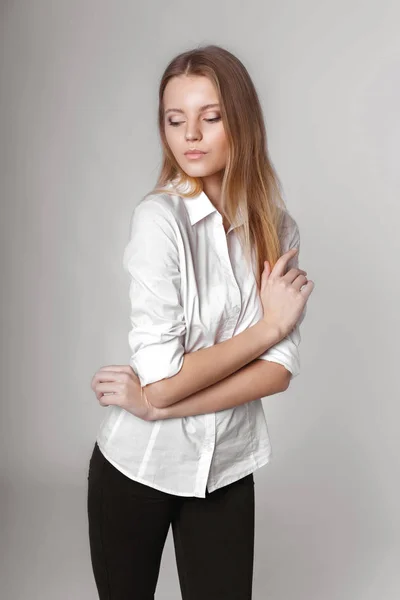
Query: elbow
x,y
278,375
282,376
285,378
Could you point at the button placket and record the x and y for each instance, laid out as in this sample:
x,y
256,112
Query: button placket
x,y
221,241
206,455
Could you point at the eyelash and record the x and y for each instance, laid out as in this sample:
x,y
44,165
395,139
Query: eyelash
x,y
177,123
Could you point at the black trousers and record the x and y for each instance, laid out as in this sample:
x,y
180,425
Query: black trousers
x,y
129,522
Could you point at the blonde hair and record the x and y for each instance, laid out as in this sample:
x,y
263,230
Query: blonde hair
x,y
250,185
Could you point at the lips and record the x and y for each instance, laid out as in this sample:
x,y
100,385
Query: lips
x,y
195,153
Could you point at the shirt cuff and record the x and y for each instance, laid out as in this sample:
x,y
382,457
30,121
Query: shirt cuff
x,y
157,361
286,353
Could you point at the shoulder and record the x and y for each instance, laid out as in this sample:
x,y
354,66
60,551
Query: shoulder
x,y
289,233
288,224
160,207
152,232
156,220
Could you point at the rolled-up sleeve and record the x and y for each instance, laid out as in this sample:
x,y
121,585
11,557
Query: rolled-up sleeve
x,y
286,352
158,327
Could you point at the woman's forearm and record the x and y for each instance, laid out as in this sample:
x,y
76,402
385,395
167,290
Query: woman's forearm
x,y
208,366
256,380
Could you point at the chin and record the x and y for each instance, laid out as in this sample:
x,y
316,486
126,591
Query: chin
x,y
195,172
198,171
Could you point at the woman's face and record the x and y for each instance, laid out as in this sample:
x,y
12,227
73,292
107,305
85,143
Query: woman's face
x,y
192,120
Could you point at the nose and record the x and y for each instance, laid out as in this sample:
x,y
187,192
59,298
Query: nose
x,y
192,132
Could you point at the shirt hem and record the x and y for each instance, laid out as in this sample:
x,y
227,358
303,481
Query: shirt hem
x,y
236,477
140,479
166,490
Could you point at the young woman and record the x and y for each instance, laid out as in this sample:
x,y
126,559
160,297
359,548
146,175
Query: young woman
x,y
216,302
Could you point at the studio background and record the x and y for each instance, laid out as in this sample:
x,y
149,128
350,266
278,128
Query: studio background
x,y
79,148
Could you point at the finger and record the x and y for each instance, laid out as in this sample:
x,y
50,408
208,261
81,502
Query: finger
x,y
103,376
116,368
109,400
291,275
108,393
265,275
101,396
109,388
281,263
299,281
307,288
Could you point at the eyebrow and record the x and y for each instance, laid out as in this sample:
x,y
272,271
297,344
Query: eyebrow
x,y
179,110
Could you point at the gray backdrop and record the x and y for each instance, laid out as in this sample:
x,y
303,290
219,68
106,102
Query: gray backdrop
x,y
79,147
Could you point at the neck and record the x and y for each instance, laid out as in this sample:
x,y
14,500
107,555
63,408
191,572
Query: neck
x,y
212,187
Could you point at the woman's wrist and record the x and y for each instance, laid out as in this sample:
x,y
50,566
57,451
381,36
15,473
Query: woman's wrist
x,y
157,414
269,332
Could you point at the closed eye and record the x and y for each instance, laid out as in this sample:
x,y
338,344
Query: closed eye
x,y
177,123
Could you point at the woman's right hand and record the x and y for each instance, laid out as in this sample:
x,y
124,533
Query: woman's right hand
x,y
282,299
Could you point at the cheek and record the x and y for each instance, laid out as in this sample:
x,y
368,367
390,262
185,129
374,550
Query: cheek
x,y
168,136
172,142
220,143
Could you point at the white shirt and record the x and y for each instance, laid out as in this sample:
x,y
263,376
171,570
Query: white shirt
x,y
189,289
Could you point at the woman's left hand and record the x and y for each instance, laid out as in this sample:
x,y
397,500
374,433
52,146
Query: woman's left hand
x,y
119,385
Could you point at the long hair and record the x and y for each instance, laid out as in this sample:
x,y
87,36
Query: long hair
x,y
250,185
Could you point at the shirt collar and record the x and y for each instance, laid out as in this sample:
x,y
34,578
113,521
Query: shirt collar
x,y
200,206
